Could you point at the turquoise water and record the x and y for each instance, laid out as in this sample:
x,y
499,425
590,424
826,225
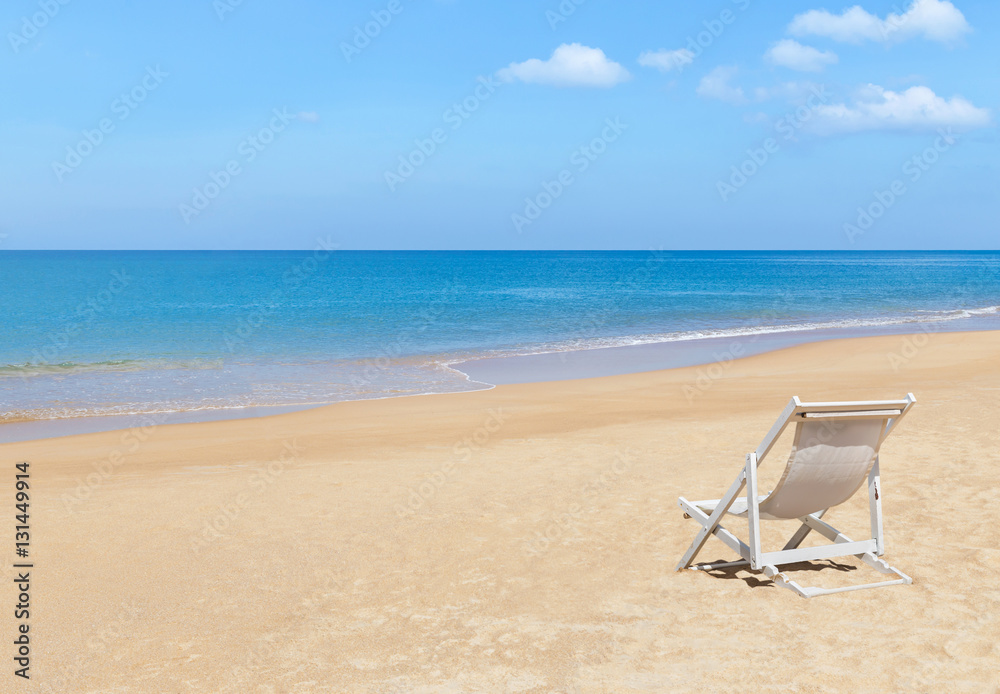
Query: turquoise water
x,y
98,333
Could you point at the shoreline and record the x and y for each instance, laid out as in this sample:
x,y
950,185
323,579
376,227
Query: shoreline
x,y
525,535
532,367
621,360
536,367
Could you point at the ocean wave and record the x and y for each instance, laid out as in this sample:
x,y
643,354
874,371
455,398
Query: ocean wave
x,y
32,369
295,386
587,343
50,413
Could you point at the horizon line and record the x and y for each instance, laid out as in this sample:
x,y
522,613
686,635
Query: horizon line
x,y
502,250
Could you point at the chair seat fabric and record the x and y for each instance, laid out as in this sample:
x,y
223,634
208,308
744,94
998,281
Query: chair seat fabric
x,y
829,461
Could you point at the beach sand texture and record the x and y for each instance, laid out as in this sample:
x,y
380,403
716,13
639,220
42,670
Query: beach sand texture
x,y
395,545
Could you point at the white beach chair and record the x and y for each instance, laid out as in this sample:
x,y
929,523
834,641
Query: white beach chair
x,y
835,449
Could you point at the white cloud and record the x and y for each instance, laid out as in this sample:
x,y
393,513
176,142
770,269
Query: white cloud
x,y
792,54
935,20
715,85
665,61
571,65
308,116
917,108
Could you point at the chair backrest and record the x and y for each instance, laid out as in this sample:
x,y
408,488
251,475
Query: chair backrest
x,y
833,452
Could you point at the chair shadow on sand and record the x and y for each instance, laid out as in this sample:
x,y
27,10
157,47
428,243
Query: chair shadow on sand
x,y
759,580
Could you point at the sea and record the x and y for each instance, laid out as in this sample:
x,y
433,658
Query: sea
x,y
93,340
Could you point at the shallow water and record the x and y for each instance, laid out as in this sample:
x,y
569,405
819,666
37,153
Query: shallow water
x,y
85,334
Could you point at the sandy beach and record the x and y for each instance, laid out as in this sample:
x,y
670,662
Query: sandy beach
x,y
521,539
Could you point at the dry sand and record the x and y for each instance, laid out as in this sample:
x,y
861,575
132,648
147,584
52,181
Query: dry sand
x,y
393,545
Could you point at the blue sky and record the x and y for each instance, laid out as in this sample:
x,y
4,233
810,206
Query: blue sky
x,y
587,124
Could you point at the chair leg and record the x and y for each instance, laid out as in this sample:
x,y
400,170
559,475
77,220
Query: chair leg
x,y
882,566
713,521
801,533
875,506
753,510
831,533
783,581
